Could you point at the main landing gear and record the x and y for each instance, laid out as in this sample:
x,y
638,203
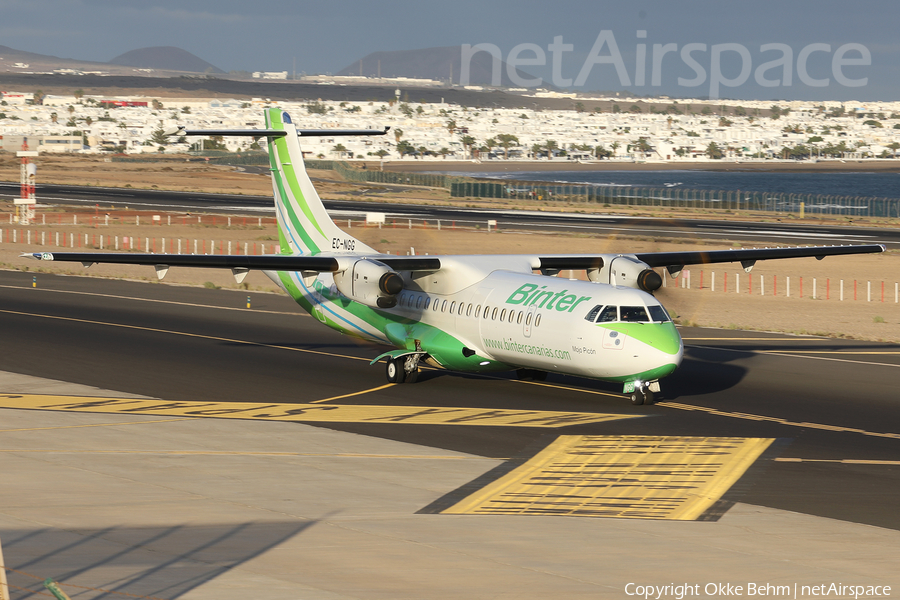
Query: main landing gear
x,y
643,393
404,369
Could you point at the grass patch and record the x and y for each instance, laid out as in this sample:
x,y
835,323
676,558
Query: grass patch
x,y
211,286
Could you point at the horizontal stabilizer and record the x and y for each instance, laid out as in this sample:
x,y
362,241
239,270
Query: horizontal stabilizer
x,y
259,133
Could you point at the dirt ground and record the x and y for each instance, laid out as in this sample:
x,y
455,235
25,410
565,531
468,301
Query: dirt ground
x,y
180,175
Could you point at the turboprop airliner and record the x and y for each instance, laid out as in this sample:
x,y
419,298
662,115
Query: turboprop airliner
x,y
472,313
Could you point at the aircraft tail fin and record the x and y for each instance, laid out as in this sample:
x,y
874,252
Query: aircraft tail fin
x,y
304,226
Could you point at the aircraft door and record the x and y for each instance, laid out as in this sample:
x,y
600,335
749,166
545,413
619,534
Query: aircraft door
x,y
529,318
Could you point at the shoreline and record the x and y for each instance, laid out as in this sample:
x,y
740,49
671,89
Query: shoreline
x,y
503,166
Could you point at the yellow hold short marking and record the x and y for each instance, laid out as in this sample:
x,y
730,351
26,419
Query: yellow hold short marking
x,y
310,413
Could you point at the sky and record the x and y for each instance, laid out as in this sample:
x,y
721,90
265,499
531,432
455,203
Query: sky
x,y
760,49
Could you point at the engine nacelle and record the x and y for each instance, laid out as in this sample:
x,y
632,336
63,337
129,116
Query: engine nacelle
x,y
630,272
370,282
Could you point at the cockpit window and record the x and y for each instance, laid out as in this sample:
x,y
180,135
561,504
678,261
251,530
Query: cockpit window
x,y
634,314
593,314
608,315
658,313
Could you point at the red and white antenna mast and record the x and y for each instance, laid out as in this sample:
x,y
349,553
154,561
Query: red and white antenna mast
x,y
26,199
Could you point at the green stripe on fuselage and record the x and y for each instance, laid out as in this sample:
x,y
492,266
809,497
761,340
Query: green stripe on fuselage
x,y
662,336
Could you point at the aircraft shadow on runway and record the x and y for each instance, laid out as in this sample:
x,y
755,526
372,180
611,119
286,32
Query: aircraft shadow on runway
x,y
702,372
164,562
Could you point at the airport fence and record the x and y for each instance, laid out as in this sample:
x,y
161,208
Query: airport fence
x,y
676,197
816,288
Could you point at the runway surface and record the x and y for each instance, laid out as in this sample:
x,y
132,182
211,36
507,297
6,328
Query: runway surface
x,y
828,406
598,224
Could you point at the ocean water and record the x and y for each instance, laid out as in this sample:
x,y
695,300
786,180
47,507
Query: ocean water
x,y
881,185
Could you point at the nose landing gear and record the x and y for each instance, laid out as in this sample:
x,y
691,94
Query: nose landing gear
x,y
642,392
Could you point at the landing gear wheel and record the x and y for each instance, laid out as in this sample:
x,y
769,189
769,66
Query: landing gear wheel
x,y
395,371
410,366
648,397
637,398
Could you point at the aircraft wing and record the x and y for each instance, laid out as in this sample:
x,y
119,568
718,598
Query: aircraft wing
x,y
239,264
675,261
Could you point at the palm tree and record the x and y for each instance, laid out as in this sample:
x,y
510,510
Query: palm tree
x,y
551,145
398,133
614,146
468,141
713,151
340,149
894,146
506,140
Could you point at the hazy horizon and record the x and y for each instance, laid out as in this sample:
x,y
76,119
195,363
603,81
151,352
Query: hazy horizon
x,y
834,53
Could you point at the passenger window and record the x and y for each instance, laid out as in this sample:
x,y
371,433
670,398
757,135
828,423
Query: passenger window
x,y
469,311
503,315
528,319
519,319
462,306
427,302
419,302
634,314
487,311
608,315
452,307
592,315
494,314
537,321
444,306
658,314
477,311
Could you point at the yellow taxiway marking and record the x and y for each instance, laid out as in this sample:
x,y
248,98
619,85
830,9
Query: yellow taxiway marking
x,y
96,425
318,413
375,389
236,453
789,351
752,417
757,339
563,387
270,312
843,461
182,333
635,477
797,354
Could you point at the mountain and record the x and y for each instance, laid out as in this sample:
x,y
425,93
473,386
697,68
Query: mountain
x,y
40,61
165,58
430,63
